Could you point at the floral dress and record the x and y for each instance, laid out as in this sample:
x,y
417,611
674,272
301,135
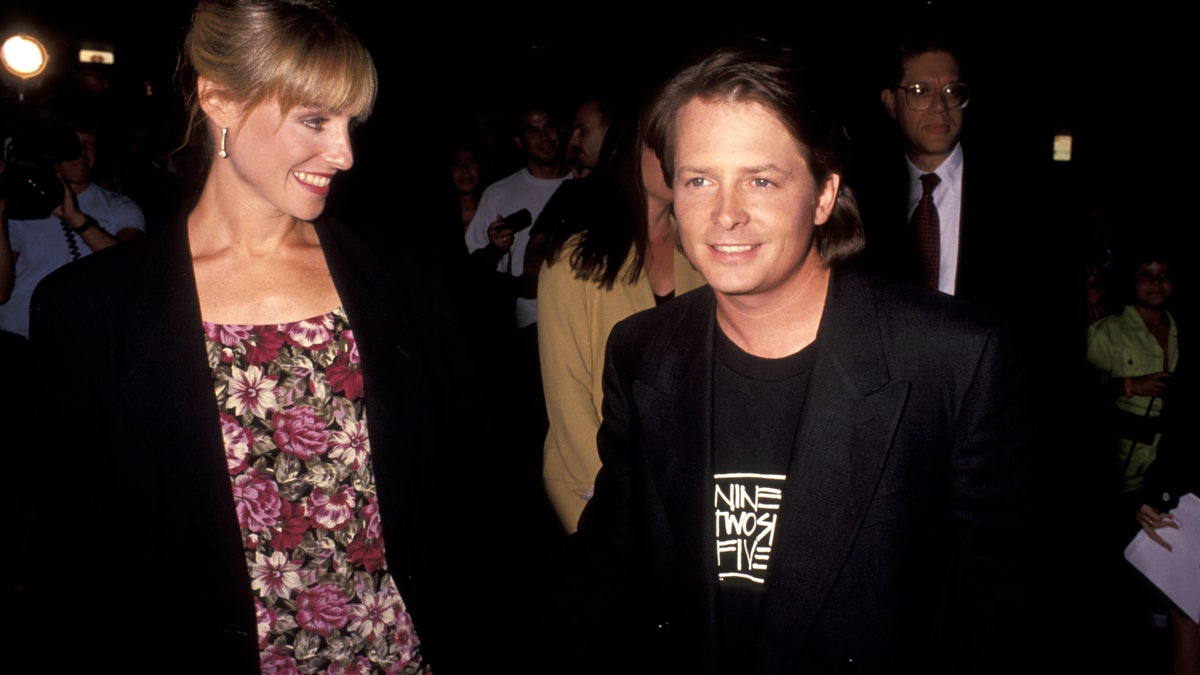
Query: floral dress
x,y
294,424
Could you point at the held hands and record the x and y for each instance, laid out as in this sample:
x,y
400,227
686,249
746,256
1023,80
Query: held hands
x,y
1151,520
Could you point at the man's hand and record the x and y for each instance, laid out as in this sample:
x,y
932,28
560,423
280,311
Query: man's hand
x,y
68,210
500,236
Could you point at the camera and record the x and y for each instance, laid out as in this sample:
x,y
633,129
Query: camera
x,y
29,181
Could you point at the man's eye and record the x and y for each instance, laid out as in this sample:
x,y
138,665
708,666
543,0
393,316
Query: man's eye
x,y
919,89
696,182
316,123
760,182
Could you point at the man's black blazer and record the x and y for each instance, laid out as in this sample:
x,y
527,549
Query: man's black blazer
x,y
140,563
898,543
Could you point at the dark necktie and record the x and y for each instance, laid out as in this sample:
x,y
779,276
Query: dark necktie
x,y
925,224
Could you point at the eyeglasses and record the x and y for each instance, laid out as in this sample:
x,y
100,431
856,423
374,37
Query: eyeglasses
x,y
920,95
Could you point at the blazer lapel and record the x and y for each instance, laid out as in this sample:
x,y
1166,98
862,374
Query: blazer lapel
x,y
850,413
378,311
677,426
168,389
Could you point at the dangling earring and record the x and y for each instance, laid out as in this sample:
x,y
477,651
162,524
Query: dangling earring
x,y
222,153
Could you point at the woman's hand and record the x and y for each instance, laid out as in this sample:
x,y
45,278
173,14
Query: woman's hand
x,y
1151,520
1154,384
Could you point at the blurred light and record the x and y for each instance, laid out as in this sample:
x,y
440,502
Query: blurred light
x,y
1062,148
96,56
23,56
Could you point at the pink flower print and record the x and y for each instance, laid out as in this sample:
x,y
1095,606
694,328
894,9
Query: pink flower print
x,y
257,499
276,575
331,512
263,346
228,335
345,376
265,622
310,333
351,345
274,660
370,515
291,526
371,617
360,666
405,638
300,431
251,389
366,552
350,445
321,610
237,443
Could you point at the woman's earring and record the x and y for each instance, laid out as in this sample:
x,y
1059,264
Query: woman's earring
x,y
222,153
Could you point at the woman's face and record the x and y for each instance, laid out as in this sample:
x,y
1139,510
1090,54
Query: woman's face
x,y
286,160
464,169
1152,285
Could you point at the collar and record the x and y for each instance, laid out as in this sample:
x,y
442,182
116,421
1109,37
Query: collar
x,y
950,171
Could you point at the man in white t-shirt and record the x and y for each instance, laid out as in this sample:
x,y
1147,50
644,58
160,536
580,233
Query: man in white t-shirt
x,y
89,219
538,137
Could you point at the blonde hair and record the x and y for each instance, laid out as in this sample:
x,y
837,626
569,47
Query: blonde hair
x,y
296,52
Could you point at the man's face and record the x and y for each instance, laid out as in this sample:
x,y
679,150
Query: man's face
x,y
77,172
745,199
583,150
539,138
933,133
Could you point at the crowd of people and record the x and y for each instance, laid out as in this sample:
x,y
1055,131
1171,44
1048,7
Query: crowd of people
x,y
675,378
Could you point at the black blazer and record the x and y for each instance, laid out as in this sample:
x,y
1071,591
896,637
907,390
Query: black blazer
x,y
897,548
138,552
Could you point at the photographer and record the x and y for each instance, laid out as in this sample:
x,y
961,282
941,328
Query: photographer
x,y
89,218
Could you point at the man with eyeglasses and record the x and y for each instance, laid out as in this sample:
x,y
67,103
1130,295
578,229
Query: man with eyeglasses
x,y
921,243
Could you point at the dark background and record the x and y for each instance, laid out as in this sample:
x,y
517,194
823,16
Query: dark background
x,y
1115,80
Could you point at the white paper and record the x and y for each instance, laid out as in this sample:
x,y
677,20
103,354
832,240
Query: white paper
x,y
1175,572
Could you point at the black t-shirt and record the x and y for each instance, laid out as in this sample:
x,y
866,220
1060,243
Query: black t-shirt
x,y
756,411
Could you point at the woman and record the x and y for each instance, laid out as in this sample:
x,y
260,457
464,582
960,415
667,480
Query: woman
x,y
1133,355
252,408
620,258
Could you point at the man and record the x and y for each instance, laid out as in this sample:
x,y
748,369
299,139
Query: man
x,y
587,137
90,218
805,469
537,137
927,97
502,253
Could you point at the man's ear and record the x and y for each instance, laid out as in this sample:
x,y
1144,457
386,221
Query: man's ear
x,y
888,97
827,199
215,102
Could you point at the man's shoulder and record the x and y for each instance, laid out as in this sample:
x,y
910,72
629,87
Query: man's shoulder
x,y
908,314
109,205
510,182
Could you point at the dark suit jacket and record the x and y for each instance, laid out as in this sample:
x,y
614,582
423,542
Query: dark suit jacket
x,y
985,227
897,543
140,558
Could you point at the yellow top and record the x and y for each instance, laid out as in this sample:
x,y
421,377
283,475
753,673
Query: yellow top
x,y
575,317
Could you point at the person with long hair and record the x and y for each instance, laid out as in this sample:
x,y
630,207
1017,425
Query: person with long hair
x,y
612,258
249,413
